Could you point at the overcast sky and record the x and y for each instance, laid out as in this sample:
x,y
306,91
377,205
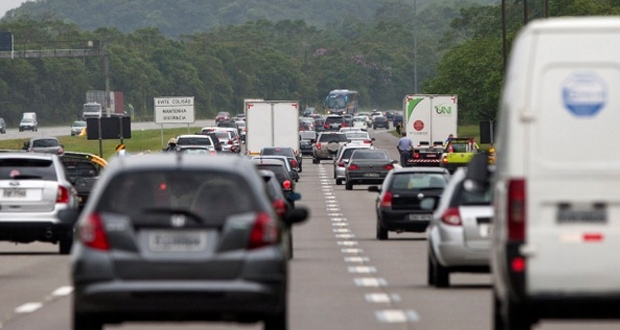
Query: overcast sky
x,y
5,5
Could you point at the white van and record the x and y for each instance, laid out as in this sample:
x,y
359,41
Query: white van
x,y
29,122
556,246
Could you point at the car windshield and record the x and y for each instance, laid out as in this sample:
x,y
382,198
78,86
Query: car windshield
x,y
369,154
212,195
79,124
20,168
412,181
80,169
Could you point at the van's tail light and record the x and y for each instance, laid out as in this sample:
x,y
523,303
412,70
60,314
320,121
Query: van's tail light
x,y
452,217
516,210
386,201
62,196
279,206
353,167
92,234
264,232
388,167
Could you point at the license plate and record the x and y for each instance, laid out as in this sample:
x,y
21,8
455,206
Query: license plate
x,y
14,193
420,217
582,216
431,156
177,241
485,230
372,175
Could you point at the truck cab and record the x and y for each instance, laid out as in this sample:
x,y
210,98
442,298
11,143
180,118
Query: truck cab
x,y
92,110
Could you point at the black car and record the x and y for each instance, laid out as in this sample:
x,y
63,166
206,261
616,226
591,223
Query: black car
x,y
380,122
284,176
367,166
169,237
294,159
399,203
306,139
397,119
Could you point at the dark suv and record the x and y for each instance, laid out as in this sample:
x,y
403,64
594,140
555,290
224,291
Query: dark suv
x,y
334,123
327,145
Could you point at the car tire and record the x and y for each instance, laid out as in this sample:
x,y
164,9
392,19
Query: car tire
x,y
441,274
348,185
276,322
382,233
516,316
498,322
83,322
316,160
430,271
338,182
64,245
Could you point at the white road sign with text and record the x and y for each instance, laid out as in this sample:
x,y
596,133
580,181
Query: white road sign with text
x,y
174,110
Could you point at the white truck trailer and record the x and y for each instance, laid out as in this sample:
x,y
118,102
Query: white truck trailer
x,y
271,124
428,120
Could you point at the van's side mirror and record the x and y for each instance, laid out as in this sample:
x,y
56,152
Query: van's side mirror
x,y
478,177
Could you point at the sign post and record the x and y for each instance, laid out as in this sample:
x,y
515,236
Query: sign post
x,y
174,110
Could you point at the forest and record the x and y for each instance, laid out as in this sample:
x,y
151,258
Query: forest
x,y
445,48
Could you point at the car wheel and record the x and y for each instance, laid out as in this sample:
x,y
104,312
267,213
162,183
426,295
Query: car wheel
x,y
430,273
65,245
516,317
315,160
338,182
498,322
349,185
83,322
382,233
442,275
276,322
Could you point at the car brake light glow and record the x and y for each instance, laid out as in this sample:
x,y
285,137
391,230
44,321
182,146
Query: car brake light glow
x,y
368,141
264,232
280,207
386,201
293,163
518,264
416,155
63,195
318,145
92,234
516,210
445,160
286,184
341,163
452,217
388,167
353,167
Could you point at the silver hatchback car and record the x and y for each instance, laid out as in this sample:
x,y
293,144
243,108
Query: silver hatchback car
x,y
176,237
34,192
459,235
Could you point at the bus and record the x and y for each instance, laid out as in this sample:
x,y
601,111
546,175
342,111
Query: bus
x,y
341,101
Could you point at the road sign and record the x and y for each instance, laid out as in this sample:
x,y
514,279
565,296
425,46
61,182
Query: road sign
x,y
174,110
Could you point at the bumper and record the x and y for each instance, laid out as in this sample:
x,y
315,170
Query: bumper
x,y
361,178
182,300
398,220
35,230
455,254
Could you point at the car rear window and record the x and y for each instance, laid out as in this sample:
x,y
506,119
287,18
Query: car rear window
x,y
334,119
333,137
288,152
212,195
36,169
346,154
193,141
278,170
369,154
80,169
464,197
45,143
413,181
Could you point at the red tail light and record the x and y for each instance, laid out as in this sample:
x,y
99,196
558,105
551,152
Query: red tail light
x,y
293,163
516,210
230,141
353,167
326,126
63,195
92,234
444,160
280,207
318,145
287,185
386,201
344,125
264,232
388,167
368,141
341,164
60,151
452,217
416,155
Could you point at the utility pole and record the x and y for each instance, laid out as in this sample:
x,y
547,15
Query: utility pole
x,y
415,48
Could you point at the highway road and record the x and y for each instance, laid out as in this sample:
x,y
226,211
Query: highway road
x,y
341,277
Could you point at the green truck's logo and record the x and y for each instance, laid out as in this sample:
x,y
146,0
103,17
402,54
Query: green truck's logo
x,y
411,105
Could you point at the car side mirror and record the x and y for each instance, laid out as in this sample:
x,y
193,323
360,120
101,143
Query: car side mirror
x,y
296,215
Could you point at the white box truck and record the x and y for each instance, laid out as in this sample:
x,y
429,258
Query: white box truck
x,y
428,120
271,124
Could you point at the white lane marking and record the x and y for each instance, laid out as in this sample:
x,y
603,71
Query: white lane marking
x,y
330,197
332,209
352,251
341,230
362,269
335,215
339,224
347,243
345,236
356,259
369,281
397,316
339,219
381,297
62,291
28,307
